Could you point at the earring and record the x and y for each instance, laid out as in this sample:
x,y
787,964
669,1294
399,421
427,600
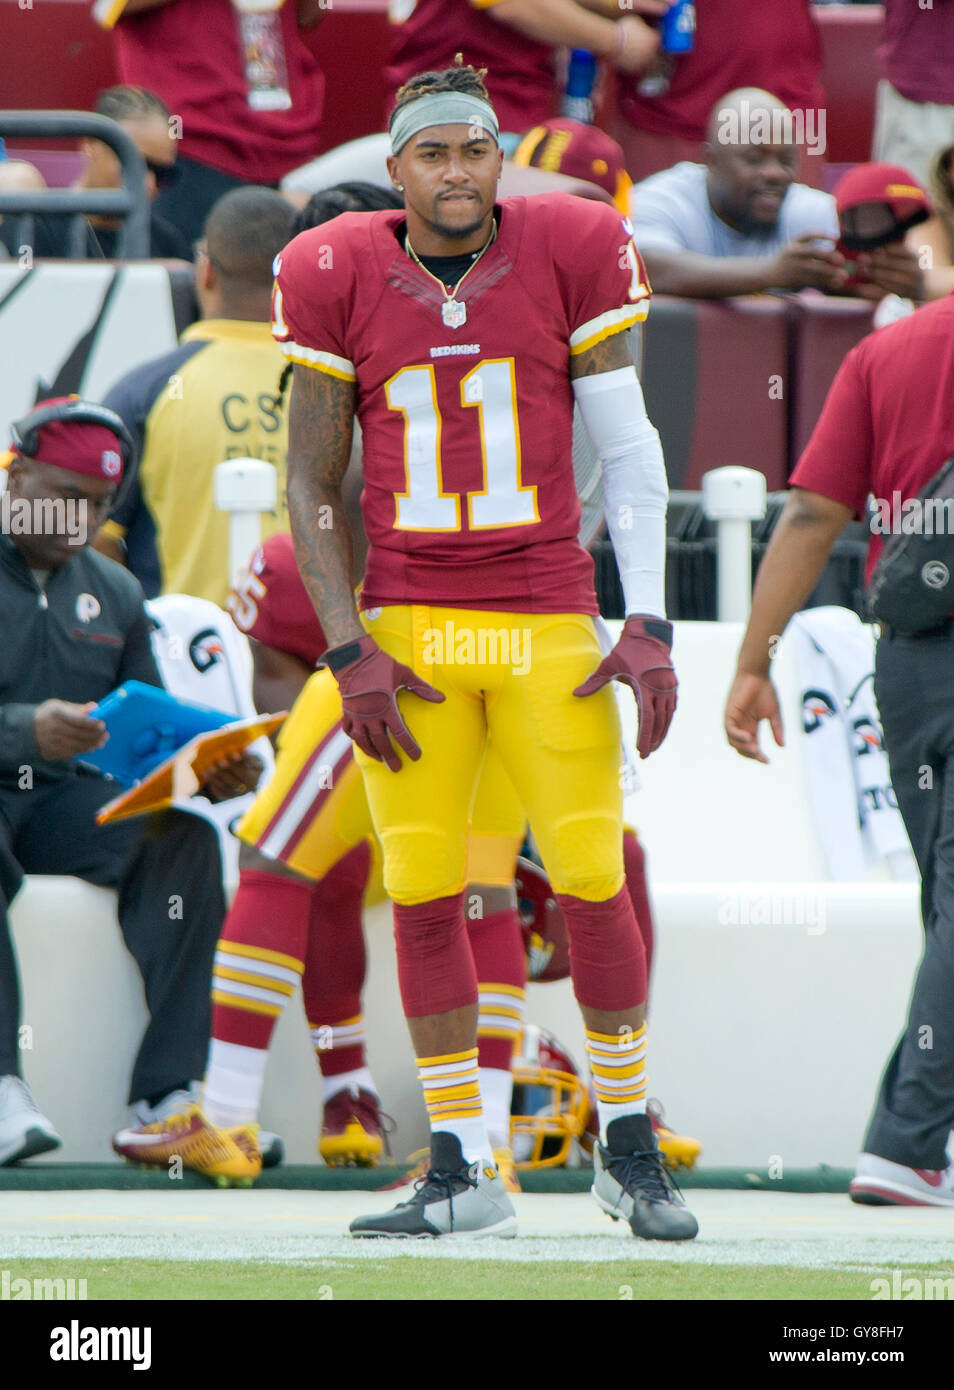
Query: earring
x,y
399,187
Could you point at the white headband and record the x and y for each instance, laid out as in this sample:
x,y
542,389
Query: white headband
x,y
442,108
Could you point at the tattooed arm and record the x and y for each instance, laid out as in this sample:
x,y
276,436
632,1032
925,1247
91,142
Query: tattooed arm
x,y
320,425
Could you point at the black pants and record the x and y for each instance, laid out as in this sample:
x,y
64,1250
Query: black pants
x,y
188,199
914,684
167,868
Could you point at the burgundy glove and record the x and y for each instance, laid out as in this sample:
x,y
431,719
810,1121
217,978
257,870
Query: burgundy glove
x,y
641,660
369,681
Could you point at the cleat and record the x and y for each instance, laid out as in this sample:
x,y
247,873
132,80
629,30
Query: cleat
x,y
351,1130
24,1129
630,1182
678,1150
880,1183
420,1161
454,1198
507,1169
215,1153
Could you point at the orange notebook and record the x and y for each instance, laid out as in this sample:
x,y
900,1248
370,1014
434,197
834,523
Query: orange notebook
x,y
183,772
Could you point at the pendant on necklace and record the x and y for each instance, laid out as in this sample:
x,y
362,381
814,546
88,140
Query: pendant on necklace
x,y
454,313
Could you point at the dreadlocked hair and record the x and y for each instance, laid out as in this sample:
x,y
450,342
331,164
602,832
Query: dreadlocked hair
x,y
460,78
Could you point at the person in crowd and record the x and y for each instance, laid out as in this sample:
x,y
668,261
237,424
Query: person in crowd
x,y
879,206
933,241
914,115
515,41
738,223
664,111
146,118
579,151
245,89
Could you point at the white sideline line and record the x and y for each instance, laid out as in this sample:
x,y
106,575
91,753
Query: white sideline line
x,y
809,1231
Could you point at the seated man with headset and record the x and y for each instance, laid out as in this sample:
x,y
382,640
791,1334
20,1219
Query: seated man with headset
x,y
74,628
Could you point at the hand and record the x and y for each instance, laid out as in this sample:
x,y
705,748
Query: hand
x,y
803,264
642,661
752,699
62,730
369,682
233,776
637,43
892,270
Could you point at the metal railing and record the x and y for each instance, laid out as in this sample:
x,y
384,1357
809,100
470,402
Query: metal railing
x,y
130,203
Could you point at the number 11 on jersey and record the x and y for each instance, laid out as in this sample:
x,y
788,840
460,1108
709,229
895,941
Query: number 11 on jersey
x,y
491,389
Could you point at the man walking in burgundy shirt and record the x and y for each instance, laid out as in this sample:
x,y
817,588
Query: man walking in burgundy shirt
x,y
886,428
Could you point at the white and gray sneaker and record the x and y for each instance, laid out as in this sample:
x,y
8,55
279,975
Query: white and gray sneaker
x,y
454,1198
880,1183
631,1183
24,1129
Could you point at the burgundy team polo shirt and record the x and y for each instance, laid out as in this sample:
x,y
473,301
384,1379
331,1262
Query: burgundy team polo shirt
x,y
916,53
888,421
188,53
773,45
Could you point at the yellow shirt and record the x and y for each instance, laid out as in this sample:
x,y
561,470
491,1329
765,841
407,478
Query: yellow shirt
x,y
214,397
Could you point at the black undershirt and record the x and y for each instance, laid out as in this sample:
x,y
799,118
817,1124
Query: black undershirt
x,y
448,269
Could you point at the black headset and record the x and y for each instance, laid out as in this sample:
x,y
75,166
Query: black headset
x,y
25,433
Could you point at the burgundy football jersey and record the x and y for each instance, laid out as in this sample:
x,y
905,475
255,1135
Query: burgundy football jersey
x,y
271,604
469,498
520,75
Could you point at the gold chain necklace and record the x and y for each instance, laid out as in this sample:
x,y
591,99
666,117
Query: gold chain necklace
x,y
453,310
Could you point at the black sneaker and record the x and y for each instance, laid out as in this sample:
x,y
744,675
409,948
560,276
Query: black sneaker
x,y
630,1182
454,1198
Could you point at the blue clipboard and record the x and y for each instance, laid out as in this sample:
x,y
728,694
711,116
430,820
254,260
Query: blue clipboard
x,y
146,725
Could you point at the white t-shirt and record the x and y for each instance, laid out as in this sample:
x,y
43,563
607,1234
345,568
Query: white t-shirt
x,y
671,212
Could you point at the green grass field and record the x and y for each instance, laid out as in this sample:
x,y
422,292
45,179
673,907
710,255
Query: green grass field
x,y
417,1278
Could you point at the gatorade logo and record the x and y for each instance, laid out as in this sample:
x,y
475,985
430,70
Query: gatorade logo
x,y
206,650
87,607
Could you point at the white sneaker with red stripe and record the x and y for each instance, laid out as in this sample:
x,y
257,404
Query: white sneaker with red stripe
x,y
878,1183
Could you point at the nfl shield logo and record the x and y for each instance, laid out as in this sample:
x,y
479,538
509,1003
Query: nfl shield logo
x,y
453,313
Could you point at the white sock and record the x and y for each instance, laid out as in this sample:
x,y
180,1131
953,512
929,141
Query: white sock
x,y
496,1092
233,1084
358,1080
474,1142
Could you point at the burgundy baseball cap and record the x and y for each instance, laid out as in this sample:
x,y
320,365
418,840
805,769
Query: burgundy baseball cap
x,y
78,445
565,146
889,184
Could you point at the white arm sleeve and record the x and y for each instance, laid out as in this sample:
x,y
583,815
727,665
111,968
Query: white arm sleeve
x,y
635,490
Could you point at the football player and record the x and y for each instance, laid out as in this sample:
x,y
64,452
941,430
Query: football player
x,y
478,599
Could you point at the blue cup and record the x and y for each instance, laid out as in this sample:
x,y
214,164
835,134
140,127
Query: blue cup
x,y
678,27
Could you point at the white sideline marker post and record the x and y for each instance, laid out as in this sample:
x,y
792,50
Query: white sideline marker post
x,y
245,488
733,497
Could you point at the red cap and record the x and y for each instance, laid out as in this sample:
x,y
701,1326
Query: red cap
x,y
884,183
565,146
77,445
